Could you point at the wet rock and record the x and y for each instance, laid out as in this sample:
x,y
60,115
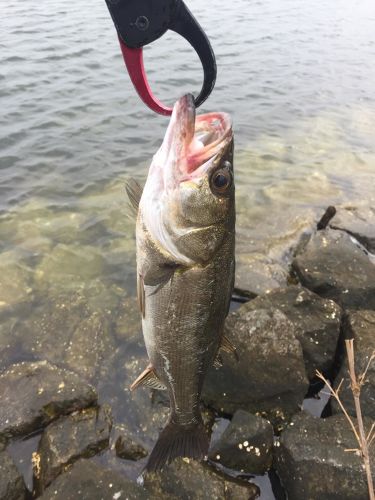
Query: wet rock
x,y
270,377
359,325
35,394
359,222
187,479
146,411
88,481
335,267
316,322
312,462
80,435
246,444
12,486
128,447
129,320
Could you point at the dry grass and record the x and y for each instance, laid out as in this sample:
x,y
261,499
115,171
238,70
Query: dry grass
x,y
364,440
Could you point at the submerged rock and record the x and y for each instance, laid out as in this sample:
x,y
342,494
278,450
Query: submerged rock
x,y
80,435
359,222
269,378
12,486
360,325
311,460
86,480
335,267
15,280
35,394
316,322
186,479
66,331
69,266
246,444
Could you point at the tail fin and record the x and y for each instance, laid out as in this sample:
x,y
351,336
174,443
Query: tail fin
x,y
178,441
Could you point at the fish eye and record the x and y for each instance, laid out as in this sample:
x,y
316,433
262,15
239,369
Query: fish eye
x,y
221,180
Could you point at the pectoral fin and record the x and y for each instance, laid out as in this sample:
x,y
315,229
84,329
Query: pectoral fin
x,y
148,378
134,192
141,295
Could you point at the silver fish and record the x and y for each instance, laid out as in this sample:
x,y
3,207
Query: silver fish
x,y
185,268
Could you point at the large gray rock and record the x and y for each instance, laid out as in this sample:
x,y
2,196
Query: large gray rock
x,y
187,479
35,394
12,486
312,463
245,445
80,435
86,480
335,267
270,377
359,222
360,325
316,322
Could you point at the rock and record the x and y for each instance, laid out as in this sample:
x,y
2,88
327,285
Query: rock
x,y
246,444
12,486
335,267
257,274
316,322
263,261
187,479
129,448
269,377
35,394
312,463
88,481
360,325
359,222
80,435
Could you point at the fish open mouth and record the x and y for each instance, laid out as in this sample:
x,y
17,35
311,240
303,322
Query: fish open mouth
x,y
192,140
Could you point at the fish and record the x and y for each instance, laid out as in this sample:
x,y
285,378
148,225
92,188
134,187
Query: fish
x,y
185,238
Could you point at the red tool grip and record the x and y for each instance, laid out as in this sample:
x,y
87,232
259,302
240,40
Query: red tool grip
x,y
134,62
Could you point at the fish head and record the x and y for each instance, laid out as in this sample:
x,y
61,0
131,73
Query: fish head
x,y
189,195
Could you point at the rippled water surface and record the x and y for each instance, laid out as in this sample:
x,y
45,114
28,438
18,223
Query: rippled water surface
x,y
298,78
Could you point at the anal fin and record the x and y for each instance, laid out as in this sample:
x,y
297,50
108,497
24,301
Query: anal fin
x,y
227,346
148,378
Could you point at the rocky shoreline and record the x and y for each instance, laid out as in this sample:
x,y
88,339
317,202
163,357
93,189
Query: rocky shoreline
x,y
283,333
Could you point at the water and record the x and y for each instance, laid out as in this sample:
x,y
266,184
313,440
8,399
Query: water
x,y
298,79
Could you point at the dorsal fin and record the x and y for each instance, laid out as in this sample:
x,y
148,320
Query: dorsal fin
x,y
134,192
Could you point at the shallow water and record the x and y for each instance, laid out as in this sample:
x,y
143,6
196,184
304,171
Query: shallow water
x,y
298,79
